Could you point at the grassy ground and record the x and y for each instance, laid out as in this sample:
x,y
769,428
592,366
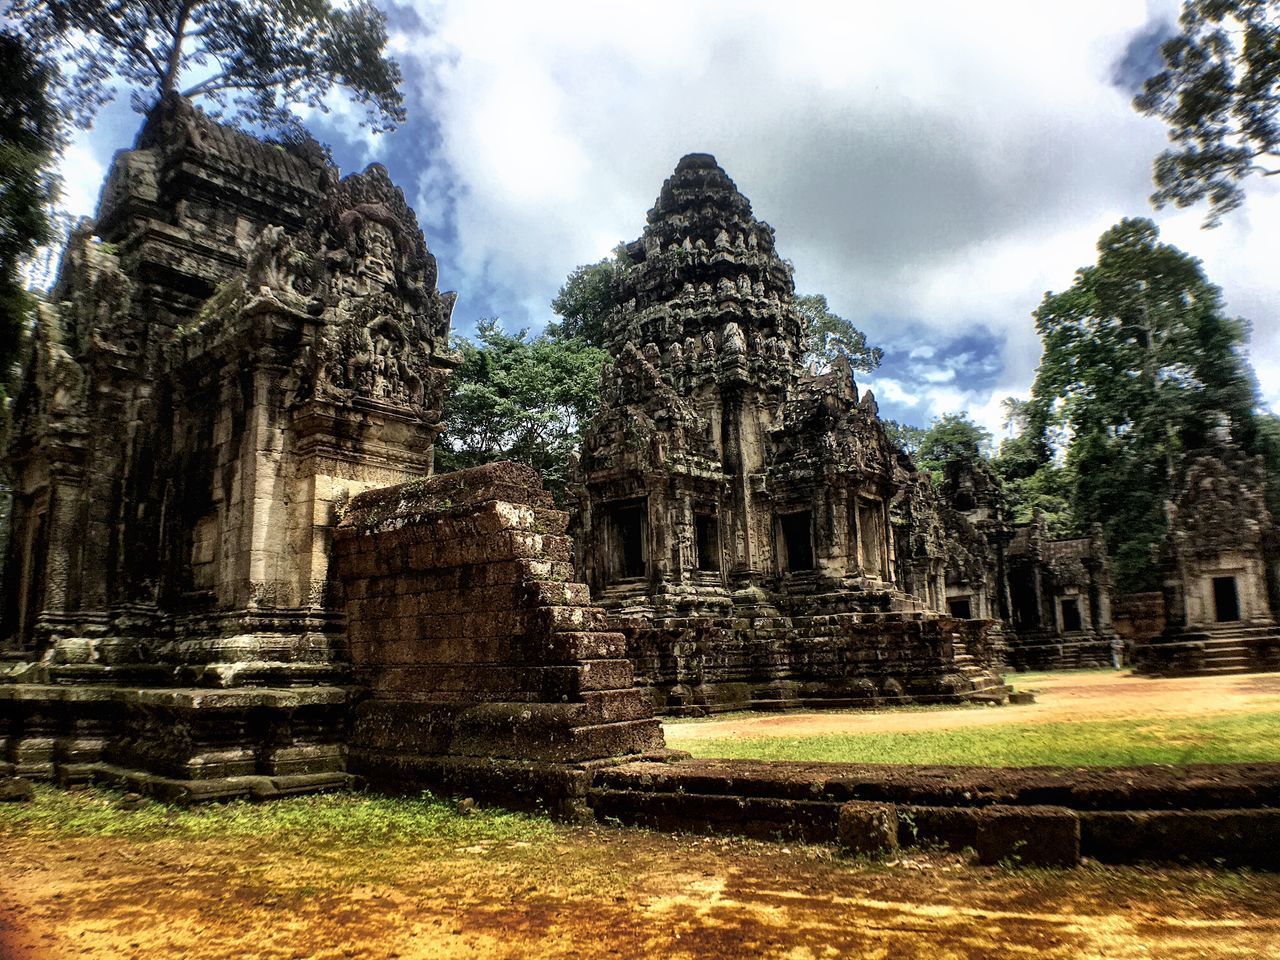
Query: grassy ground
x,y
1224,738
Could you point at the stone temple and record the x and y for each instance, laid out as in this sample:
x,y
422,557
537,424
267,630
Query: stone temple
x,y
241,365
1220,570
736,510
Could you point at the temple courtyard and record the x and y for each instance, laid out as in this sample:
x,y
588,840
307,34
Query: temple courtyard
x,y
94,873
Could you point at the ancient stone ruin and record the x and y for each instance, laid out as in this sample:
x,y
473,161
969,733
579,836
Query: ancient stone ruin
x,y
735,509
487,671
1218,566
238,345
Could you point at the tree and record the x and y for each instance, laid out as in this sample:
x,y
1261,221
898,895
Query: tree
x,y
252,58
1220,96
519,399
29,137
829,335
585,299
952,437
904,436
1139,360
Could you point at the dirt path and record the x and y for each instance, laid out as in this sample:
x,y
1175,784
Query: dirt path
x,y
601,893
1092,695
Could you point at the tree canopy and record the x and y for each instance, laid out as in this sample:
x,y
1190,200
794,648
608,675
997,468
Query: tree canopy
x,y
251,58
830,335
29,136
1220,96
520,399
1139,361
952,436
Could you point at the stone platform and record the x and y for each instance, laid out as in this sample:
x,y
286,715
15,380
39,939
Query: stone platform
x,y
697,666
1221,649
1206,813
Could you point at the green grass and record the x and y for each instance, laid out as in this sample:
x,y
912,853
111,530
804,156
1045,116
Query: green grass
x,y
1222,738
341,819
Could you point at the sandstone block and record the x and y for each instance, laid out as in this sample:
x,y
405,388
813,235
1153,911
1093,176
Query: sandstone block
x,y
1040,836
867,829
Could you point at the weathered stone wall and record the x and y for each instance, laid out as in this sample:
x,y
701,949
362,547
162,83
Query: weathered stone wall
x,y
1218,567
1138,616
697,666
484,663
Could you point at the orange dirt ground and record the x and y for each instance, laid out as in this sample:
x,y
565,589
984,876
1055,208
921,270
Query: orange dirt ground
x,y
601,892
604,893
1071,696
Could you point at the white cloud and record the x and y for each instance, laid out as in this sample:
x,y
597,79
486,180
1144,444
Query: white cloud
x,y
936,169
933,169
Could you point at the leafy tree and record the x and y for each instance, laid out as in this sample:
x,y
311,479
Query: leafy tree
x,y
1220,96
252,58
904,436
519,399
830,335
1139,359
30,134
952,437
585,299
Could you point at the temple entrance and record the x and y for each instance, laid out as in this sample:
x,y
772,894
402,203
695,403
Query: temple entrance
x,y
707,540
1071,615
1226,603
797,541
961,608
627,543
871,537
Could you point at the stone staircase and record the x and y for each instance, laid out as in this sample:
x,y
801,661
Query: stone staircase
x,y
1215,650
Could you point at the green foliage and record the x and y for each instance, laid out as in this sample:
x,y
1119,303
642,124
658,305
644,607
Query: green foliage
x,y
585,299
829,336
1139,361
250,58
1220,96
1221,738
1034,483
30,134
904,436
522,400
952,437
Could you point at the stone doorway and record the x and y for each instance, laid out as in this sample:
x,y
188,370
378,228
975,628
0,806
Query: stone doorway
x,y
707,538
797,541
1226,602
628,536
1071,622
961,608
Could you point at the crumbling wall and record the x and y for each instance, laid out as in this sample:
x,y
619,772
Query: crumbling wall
x,y
485,666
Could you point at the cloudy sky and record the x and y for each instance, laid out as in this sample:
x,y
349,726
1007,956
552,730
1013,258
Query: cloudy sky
x,y
933,168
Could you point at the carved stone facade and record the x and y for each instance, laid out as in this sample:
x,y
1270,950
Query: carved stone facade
x,y
1219,564
238,345
736,509
1060,598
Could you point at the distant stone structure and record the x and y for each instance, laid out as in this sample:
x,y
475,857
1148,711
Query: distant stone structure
x,y
735,510
1219,567
237,346
1060,594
